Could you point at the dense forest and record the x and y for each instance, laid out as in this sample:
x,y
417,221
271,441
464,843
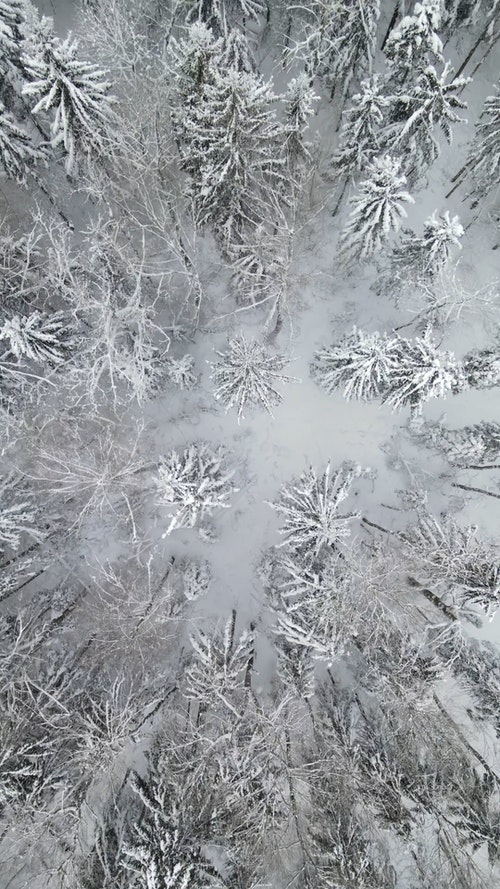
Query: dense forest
x,y
249,565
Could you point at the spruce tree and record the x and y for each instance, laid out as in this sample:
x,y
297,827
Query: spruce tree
x,y
414,43
360,135
416,114
76,92
378,209
12,18
484,155
17,153
231,149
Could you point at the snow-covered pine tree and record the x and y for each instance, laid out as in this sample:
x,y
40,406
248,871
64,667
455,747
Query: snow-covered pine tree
x,y
191,63
217,674
295,668
77,92
223,15
18,514
378,209
359,139
428,254
337,40
309,506
475,445
482,368
196,481
235,53
421,373
39,337
453,557
161,855
231,146
360,364
400,371
415,114
300,98
484,155
247,375
180,371
418,259
12,17
354,41
414,43
17,153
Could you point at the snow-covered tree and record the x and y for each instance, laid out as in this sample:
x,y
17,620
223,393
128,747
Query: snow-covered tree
x,y
360,364
310,504
191,62
360,134
400,371
196,481
354,40
230,146
300,98
484,155
452,556
12,16
418,260
247,375
378,209
427,255
77,92
223,15
482,368
180,371
423,372
17,153
39,337
160,855
475,445
18,514
218,671
416,114
337,40
415,42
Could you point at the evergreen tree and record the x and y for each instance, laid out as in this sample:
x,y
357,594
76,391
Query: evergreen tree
x,y
191,59
17,153
402,372
427,255
160,855
11,21
482,368
231,149
415,115
360,135
300,99
377,210
418,259
470,445
484,156
338,39
196,481
247,375
361,365
218,672
77,92
415,42
309,506
453,557
18,514
423,372
38,337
